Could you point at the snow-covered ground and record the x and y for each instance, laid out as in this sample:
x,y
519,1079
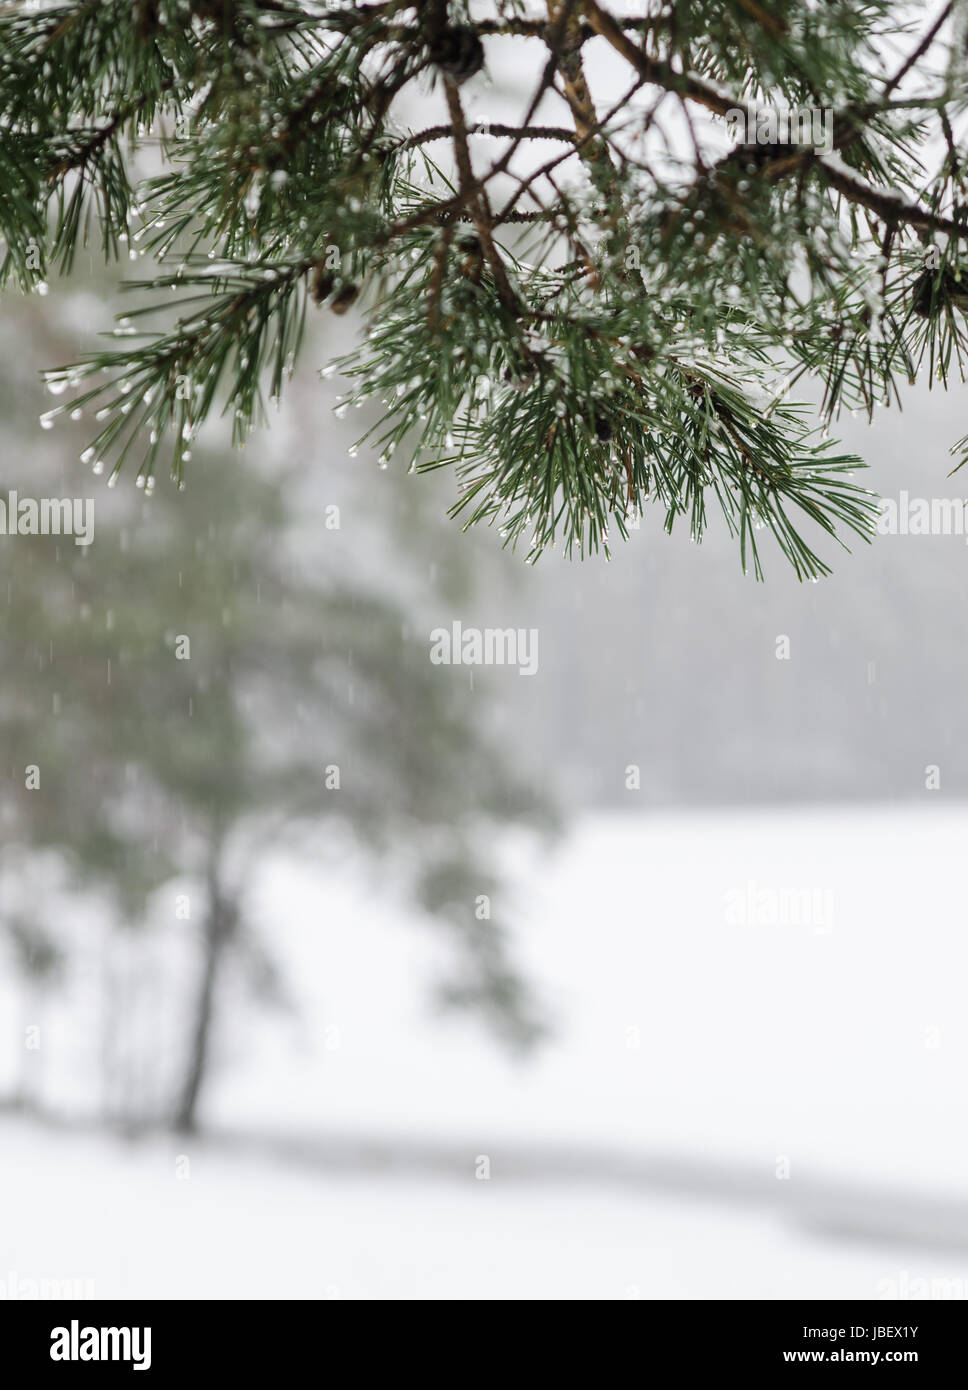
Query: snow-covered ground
x,y
121,1221
756,1088
840,1039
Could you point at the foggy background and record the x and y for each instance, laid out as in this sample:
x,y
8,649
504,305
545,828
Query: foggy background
x,y
642,976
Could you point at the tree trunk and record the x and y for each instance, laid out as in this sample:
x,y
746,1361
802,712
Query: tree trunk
x,y
219,925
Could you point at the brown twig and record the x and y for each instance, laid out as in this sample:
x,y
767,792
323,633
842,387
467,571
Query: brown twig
x,y
472,195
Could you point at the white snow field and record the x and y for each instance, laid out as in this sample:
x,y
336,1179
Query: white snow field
x,y
756,1088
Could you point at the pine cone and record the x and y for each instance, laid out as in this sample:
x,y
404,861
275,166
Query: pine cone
x,y
472,257
928,292
344,298
458,52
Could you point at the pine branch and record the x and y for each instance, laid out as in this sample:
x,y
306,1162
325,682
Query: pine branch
x,y
581,335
